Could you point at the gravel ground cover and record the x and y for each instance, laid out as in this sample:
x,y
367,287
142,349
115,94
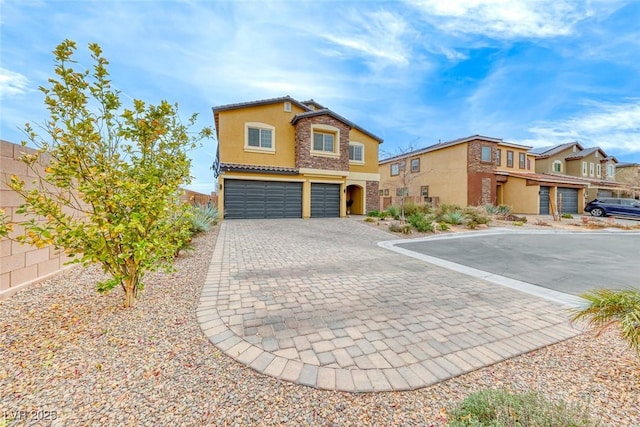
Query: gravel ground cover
x,y
67,350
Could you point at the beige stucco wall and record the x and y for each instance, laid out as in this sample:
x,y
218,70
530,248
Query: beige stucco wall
x,y
523,198
370,153
516,159
231,132
444,171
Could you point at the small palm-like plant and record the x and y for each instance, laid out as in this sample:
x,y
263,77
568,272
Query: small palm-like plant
x,y
610,308
454,217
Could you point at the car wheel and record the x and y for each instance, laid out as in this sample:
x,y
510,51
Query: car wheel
x,y
597,212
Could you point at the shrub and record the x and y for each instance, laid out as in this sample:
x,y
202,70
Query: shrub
x,y
373,213
420,222
477,215
454,217
369,219
490,209
567,216
443,226
395,227
202,218
393,211
610,308
499,408
411,208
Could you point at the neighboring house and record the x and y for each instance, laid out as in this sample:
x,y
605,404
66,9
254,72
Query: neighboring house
x,y
477,170
629,174
591,165
282,158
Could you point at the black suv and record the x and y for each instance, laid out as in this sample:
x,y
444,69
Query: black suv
x,y
611,206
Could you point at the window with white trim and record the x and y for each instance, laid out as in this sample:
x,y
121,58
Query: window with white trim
x,y
584,168
591,169
325,140
395,169
598,170
557,166
356,152
259,136
415,165
611,172
485,154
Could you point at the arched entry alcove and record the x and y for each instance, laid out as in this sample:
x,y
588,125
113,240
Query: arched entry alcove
x,y
355,200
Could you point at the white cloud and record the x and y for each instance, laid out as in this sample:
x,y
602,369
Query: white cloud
x,y
506,19
613,127
377,36
12,83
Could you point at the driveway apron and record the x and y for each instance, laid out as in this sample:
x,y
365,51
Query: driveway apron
x,y
317,302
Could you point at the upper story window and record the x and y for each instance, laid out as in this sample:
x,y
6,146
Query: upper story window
x,y
591,169
529,164
259,137
415,165
325,140
509,158
598,170
498,157
584,168
485,154
611,171
557,166
356,152
522,160
395,169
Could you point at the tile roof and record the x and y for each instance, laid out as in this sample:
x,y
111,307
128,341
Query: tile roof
x,y
439,146
328,112
257,168
584,153
544,152
260,102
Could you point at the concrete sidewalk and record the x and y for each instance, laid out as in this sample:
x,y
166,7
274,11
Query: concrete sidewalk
x,y
319,303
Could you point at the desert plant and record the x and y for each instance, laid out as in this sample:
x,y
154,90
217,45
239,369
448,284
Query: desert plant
x,y
477,215
202,218
111,192
395,227
490,209
411,208
393,211
421,222
369,219
567,216
454,217
500,408
503,210
374,213
607,308
443,226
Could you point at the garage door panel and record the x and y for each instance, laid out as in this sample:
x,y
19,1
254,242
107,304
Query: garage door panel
x,y
262,199
544,200
569,199
325,200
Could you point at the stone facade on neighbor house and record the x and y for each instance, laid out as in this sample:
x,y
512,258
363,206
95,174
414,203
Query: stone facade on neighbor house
x,y
285,158
629,174
477,170
21,265
592,166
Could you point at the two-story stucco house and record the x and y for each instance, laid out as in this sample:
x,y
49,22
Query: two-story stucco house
x,y
282,158
477,170
591,165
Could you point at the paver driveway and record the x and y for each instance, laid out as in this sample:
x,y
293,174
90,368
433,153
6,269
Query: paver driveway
x,y
318,302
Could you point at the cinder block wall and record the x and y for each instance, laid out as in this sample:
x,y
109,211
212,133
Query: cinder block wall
x,y
20,265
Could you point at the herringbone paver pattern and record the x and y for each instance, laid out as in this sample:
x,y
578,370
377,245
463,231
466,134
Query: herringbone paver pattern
x,y
317,302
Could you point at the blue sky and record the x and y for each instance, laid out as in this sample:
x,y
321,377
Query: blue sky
x,y
413,72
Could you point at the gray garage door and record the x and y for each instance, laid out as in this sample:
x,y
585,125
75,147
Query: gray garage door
x,y
544,200
325,200
262,199
569,199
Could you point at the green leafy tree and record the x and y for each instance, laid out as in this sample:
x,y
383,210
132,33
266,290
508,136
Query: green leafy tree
x,y
610,308
111,191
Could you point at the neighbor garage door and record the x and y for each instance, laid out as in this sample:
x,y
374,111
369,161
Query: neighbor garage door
x,y
262,199
569,199
544,200
325,200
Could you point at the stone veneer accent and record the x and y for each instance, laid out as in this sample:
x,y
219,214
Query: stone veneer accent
x,y
304,157
373,199
481,180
